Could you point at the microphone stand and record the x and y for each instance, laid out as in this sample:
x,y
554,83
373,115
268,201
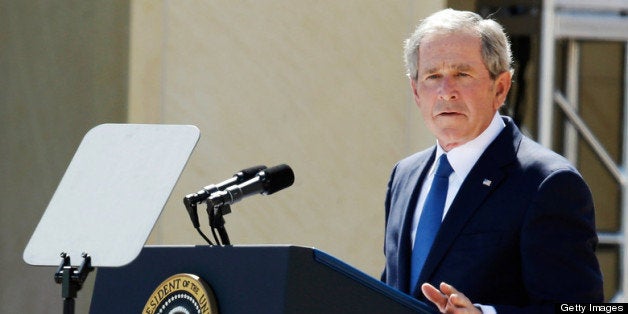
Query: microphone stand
x,y
217,222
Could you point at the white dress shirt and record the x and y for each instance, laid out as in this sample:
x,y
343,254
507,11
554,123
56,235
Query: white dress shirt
x,y
462,159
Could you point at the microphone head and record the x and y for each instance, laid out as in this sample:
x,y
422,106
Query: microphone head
x,y
277,178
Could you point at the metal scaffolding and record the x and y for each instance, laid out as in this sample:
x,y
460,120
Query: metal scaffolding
x,y
575,21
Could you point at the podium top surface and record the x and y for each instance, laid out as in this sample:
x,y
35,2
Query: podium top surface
x,y
112,194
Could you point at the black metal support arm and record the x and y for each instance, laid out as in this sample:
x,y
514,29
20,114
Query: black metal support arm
x,y
71,279
217,222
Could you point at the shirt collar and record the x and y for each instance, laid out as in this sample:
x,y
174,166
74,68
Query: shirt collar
x,y
463,157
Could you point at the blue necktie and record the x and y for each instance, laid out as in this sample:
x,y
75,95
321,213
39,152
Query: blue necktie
x,y
430,220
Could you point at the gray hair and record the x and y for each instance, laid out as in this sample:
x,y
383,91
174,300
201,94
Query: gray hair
x,y
495,45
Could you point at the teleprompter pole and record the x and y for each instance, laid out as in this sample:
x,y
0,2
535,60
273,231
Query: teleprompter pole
x,y
71,279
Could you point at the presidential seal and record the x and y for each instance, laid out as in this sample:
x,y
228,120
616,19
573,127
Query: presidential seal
x,y
182,294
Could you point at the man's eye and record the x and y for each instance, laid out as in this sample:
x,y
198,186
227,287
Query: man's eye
x,y
462,74
433,77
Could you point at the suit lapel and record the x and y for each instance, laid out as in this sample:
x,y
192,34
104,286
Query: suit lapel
x,y
474,190
415,178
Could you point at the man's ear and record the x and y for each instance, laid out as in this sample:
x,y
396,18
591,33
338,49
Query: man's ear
x,y
502,86
413,83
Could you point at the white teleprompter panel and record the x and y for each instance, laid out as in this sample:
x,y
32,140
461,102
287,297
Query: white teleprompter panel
x,y
112,194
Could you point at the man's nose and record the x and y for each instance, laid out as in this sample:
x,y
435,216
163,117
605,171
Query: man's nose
x,y
447,89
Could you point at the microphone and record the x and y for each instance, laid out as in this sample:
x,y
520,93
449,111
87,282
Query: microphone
x,y
191,200
266,182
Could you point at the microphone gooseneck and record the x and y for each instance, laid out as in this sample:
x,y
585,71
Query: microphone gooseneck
x,y
266,182
219,197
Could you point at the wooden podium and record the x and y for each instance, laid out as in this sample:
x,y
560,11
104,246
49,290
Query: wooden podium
x,y
252,279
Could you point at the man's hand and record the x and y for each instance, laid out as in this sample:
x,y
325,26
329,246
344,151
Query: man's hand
x,y
448,299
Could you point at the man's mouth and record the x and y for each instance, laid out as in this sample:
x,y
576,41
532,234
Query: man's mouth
x,y
448,113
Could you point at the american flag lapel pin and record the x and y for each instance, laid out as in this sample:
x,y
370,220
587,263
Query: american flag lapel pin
x,y
487,182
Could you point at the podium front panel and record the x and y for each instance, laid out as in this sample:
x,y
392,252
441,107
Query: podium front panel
x,y
252,279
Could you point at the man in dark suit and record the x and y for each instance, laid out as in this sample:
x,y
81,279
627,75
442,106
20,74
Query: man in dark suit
x,y
515,231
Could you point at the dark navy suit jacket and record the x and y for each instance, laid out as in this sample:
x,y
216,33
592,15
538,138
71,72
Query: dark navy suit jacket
x,y
521,243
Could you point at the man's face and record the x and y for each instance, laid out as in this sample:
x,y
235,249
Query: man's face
x,y
454,91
